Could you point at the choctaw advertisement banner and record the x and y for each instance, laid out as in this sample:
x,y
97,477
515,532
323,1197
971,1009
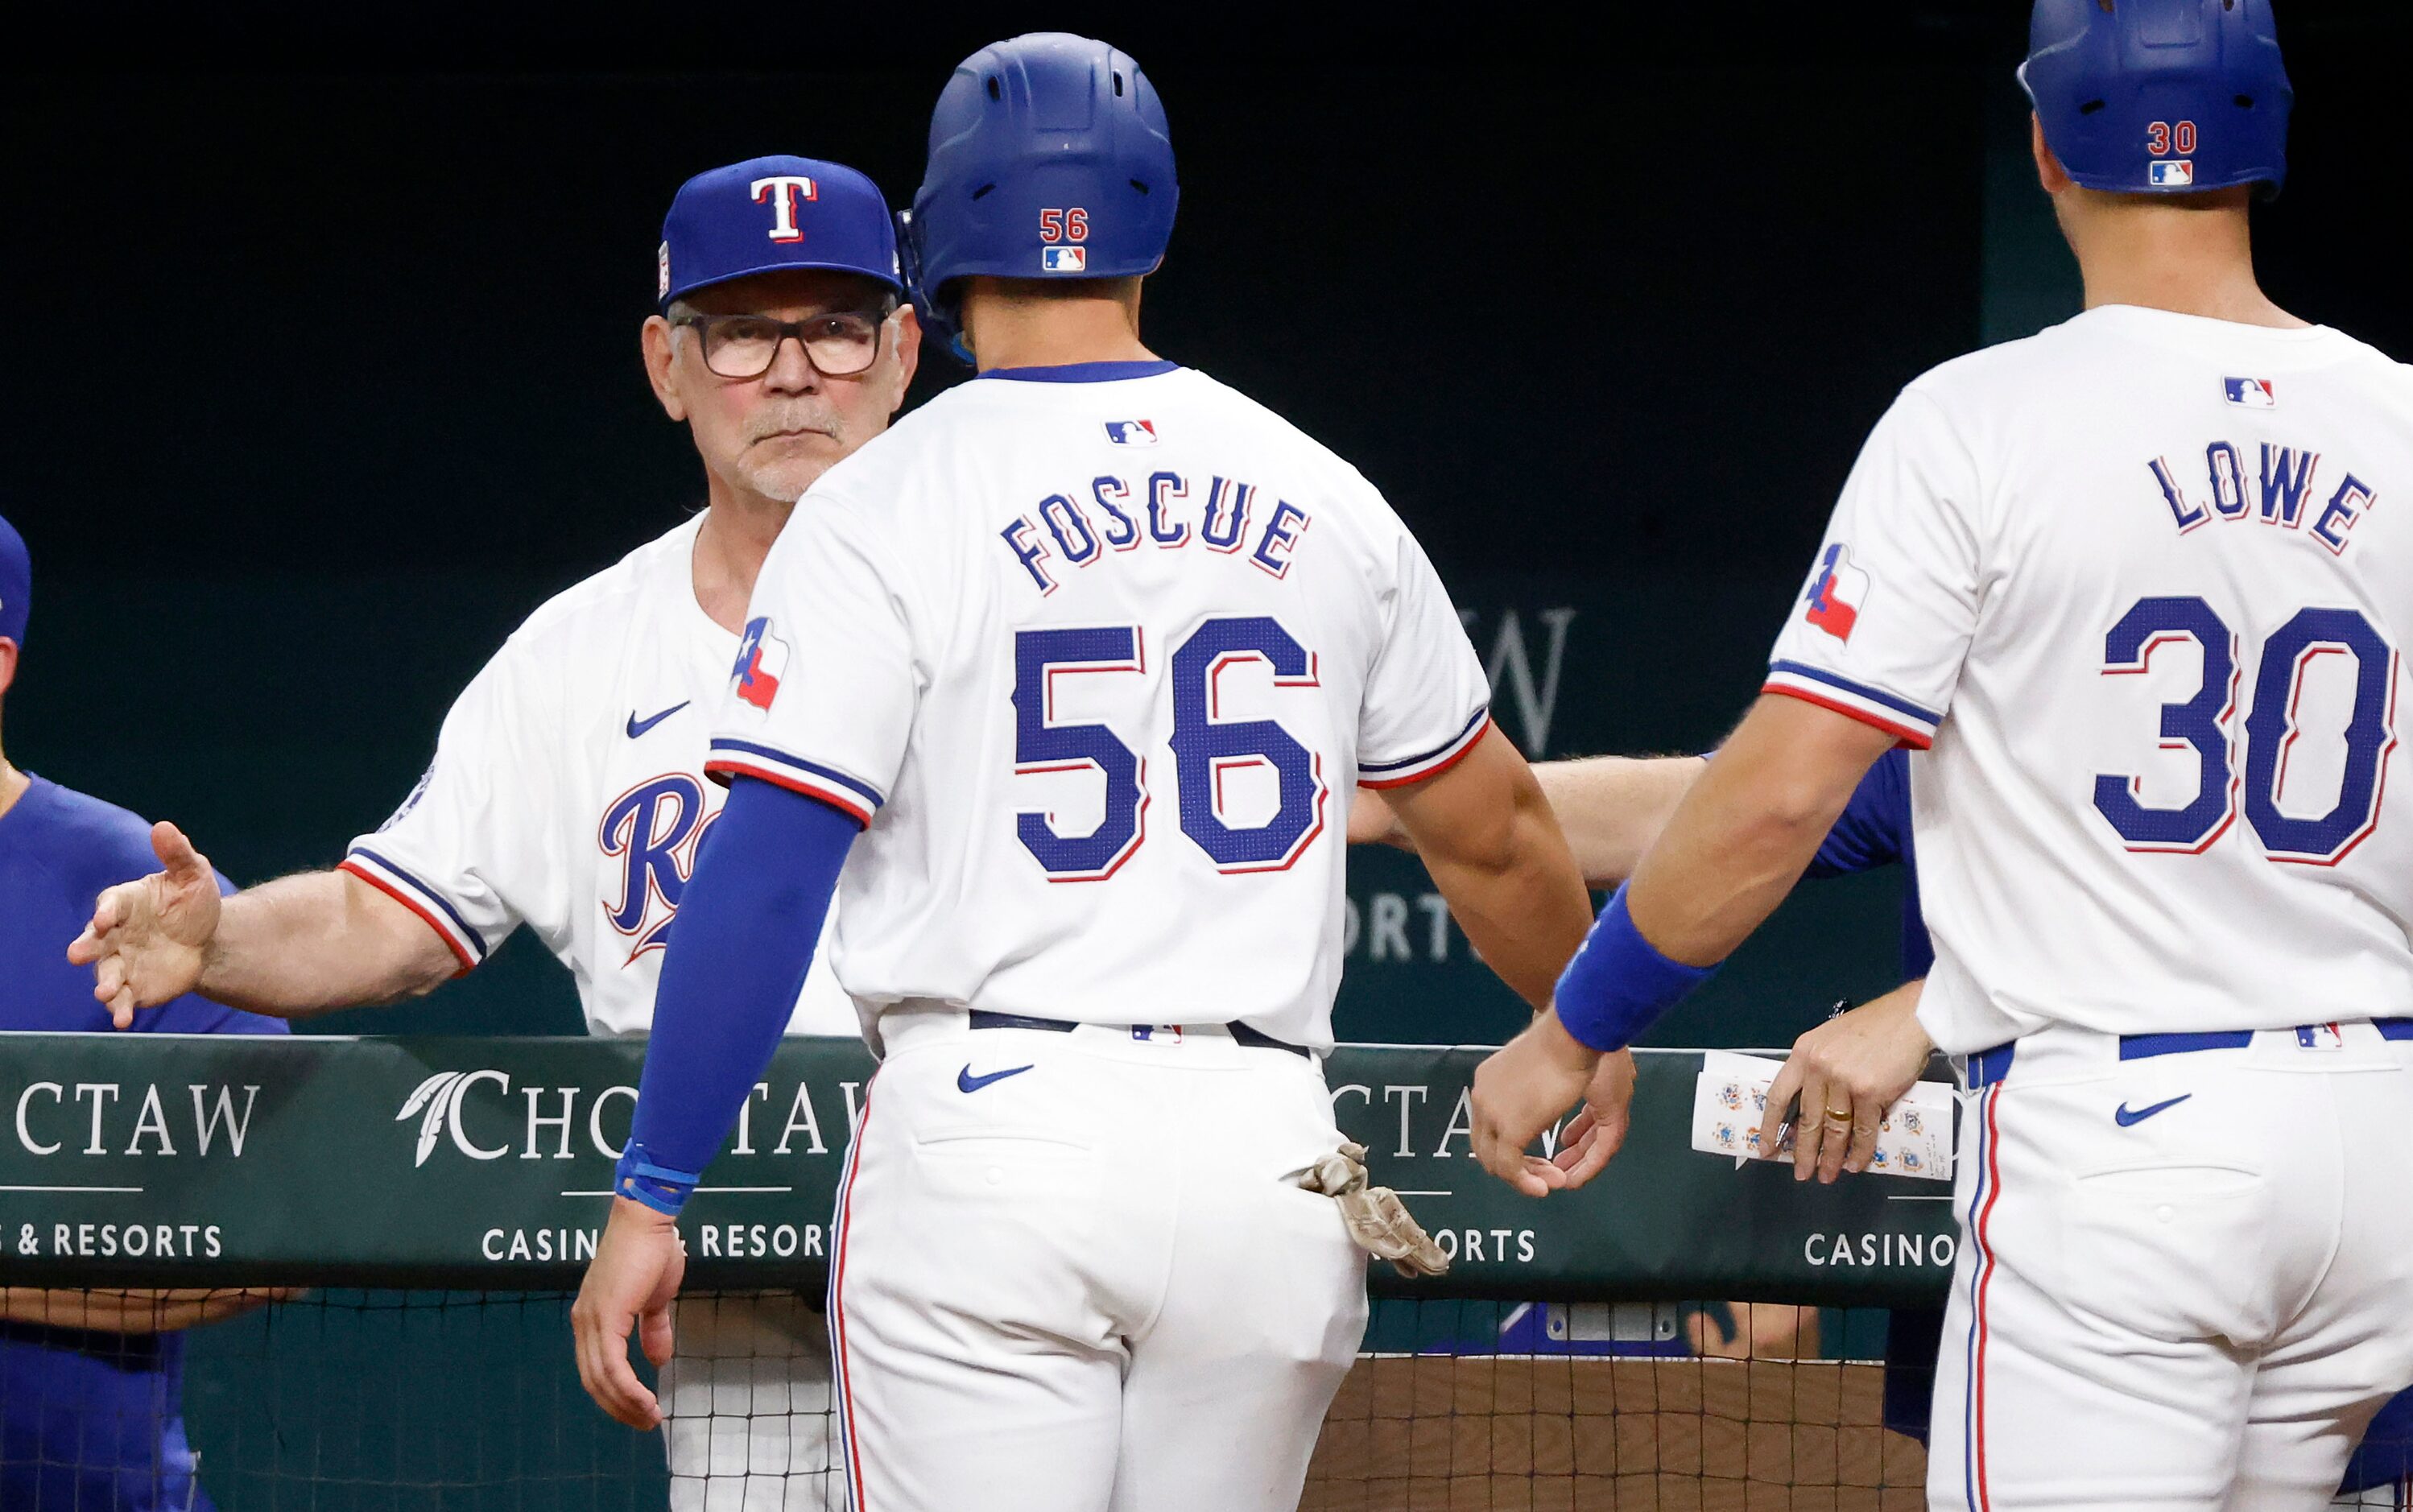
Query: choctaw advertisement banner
x,y
168,1160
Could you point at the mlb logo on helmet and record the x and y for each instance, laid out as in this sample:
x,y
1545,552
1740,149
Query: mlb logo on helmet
x,y
2250,393
1836,593
1132,432
2177,173
1063,259
762,660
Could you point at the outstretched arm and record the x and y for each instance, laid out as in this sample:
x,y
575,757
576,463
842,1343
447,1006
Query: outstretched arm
x,y
1488,836
139,1310
1609,808
299,945
1494,850
1733,848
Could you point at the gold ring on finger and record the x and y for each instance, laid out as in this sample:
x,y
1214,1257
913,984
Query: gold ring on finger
x,y
1842,1116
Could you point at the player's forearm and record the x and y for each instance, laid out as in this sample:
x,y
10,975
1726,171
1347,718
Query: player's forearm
x,y
319,941
1524,913
748,926
1743,835
1493,848
1612,808
128,1311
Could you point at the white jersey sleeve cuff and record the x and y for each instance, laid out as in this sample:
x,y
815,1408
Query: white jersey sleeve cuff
x,y
1906,722
1428,764
436,911
746,758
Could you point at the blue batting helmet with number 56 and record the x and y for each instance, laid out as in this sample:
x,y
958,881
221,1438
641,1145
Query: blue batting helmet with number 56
x,y
1049,158
2150,96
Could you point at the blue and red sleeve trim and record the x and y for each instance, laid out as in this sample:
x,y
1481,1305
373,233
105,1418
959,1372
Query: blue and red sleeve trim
x,y
434,909
744,758
1428,764
1906,722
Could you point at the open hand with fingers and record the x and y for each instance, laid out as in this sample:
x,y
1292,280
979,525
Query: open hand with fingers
x,y
1846,1072
148,940
629,1284
1524,1087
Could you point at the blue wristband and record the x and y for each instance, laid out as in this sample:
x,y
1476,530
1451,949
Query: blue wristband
x,y
658,1187
1619,985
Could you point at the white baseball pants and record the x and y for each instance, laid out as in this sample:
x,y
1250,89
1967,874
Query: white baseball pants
x,y
2185,1277
1071,1273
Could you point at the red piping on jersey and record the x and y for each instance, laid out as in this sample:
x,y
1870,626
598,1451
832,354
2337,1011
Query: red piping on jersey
x,y
780,779
1903,732
837,1309
1985,1279
1472,740
459,952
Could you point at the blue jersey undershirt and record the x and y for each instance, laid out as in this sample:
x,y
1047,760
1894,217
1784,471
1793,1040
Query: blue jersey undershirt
x,y
87,1420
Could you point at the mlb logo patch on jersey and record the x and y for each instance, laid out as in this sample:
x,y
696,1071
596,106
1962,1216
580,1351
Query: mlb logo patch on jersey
x,y
1132,432
1063,259
762,660
2171,173
2320,1037
1837,591
2250,393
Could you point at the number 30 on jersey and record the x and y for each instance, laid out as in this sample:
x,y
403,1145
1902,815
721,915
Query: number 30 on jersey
x,y
2272,729
1205,747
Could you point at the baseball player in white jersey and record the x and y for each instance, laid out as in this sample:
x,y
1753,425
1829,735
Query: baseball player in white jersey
x,y
567,790
1081,664
2133,592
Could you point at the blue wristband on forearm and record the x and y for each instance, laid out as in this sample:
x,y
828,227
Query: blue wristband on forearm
x,y
1619,985
640,1179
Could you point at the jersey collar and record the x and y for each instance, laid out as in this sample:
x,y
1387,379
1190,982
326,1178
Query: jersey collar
x,y
1082,372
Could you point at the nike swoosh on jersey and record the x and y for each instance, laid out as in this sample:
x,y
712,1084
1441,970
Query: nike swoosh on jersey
x,y
637,727
2127,1118
967,1082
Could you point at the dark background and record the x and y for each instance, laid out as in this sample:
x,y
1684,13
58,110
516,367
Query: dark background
x,y
325,373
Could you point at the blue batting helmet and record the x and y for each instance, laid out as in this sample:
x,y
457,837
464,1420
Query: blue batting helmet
x,y
2144,97
1049,159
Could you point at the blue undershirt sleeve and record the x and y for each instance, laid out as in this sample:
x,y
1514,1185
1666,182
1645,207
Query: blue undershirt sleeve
x,y
1873,829
745,935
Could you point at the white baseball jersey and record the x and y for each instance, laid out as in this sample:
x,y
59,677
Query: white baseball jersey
x,y
2138,580
1098,653
567,792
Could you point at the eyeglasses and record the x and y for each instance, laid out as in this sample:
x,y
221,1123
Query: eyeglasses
x,y
838,343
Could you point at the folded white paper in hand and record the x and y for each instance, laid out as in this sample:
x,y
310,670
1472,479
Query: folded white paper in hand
x,y
1730,1101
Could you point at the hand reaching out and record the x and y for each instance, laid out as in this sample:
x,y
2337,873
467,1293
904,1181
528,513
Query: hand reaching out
x,y
149,939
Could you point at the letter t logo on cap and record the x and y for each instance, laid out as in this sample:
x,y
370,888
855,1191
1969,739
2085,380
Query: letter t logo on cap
x,y
780,191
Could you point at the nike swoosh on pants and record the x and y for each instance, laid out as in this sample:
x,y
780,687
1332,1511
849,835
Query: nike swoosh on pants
x,y
967,1082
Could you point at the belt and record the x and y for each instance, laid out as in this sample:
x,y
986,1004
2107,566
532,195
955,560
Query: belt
x,y
1241,1033
1987,1067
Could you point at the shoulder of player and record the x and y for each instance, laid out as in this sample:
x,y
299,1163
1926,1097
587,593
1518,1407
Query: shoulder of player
x,y
88,842
603,600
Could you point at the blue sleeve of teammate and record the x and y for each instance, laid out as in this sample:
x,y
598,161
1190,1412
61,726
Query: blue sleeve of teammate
x,y
746,927
1873,830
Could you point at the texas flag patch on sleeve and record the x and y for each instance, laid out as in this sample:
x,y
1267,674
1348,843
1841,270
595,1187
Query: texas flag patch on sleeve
x,y
1837,592
761,661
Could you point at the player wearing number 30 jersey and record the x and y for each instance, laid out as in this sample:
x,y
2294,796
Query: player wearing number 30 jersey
x,y
1092,650
2135,590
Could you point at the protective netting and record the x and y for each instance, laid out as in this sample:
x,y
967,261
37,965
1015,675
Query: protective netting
x,y
338,1400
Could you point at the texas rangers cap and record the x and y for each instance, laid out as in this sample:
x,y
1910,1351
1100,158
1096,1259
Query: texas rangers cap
x,y
767,213
16,583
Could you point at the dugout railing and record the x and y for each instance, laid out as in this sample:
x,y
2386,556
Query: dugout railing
x,y
432,1201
